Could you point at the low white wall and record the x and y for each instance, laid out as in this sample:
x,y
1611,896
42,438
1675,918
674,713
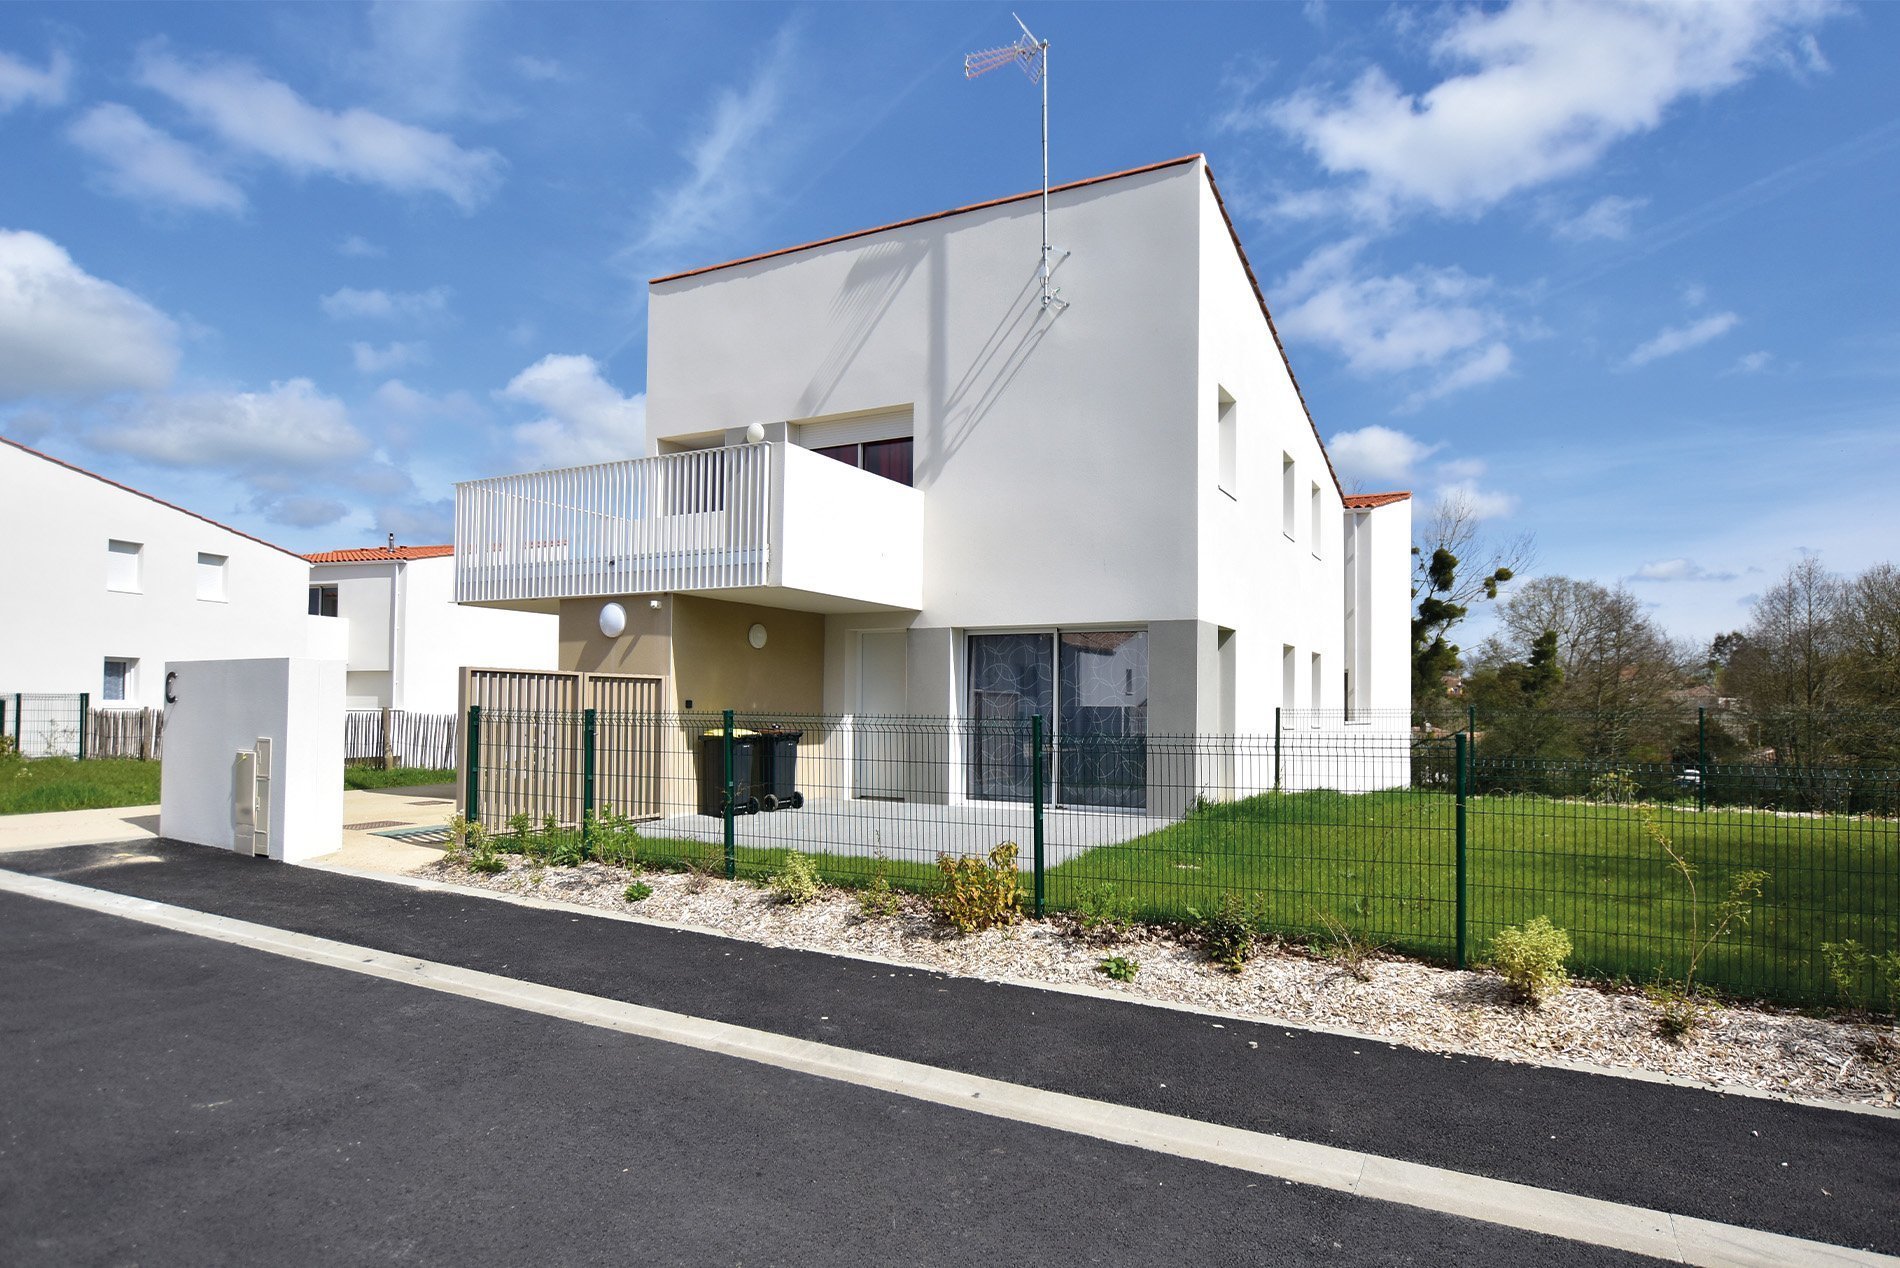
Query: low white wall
x,y
223,706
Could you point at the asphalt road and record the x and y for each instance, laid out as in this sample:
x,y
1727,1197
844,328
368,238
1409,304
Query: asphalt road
x,y
173,1100
1807,1172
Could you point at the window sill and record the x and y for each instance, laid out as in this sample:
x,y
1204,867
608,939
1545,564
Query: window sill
x,y
1230,497
119,590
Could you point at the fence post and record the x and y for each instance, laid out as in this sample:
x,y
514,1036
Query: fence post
x,y
732,854
1460,751
587,776
1702,758
389,735
472,795
3,715
85,721
16,722
1035,786
1276,748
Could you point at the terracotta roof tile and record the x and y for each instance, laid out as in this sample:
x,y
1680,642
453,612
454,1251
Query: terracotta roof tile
x,y
1367,501
379,554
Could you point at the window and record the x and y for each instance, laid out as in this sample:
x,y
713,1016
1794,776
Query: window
x,y
887,458
1314,502
1319,688
1090,687
1289,674
122,566
1228,426
1288,482
211,577
322,600
119,680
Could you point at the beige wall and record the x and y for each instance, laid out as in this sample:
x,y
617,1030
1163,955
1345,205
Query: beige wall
x,y
699,647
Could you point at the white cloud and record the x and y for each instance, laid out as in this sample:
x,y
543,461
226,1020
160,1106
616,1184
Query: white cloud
x,y
1678,570
417,59
1378,453
1424,320
724,182
266,118
292,427
66,332
381,305
21,83
1485,504
1751,363
359,248
540,70
370,359
1675,339
304,511
1550,86
147,165
586,418
1607,218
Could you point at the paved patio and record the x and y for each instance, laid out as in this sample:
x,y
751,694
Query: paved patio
x,y
910,830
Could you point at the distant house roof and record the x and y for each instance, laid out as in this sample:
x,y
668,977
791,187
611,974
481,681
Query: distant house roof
x,y
1220,202
379,554
94,475
1366,501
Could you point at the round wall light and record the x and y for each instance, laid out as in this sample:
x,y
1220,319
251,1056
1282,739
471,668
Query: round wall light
x,y
613,620
756,636
754,433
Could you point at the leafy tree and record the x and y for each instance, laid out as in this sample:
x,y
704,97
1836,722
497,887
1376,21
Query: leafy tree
x,y
1444,586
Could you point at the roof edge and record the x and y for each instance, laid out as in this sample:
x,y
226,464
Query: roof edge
x,y
918,220
126,488
379,554
1371,501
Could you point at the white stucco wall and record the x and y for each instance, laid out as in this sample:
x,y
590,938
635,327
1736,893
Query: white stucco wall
x,y
63,622
408,638
224,706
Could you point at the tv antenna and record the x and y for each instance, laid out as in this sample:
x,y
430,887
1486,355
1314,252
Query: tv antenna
x,y
1032,55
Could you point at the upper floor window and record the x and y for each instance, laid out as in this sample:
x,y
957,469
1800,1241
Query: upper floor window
x,y
211,577
1288,483
1226,422
122,566
322,600
1318,522
887,458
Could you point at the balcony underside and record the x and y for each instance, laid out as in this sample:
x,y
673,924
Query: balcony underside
x,y
765,596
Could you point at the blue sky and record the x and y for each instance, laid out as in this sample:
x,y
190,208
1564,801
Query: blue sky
x,y
1624,275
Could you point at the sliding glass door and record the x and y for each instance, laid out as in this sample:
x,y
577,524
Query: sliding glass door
x,y
1090,686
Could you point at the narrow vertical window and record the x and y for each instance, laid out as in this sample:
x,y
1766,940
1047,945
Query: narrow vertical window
x,y
1289,674
122,566
1318,686
1227,424
1317,523
211,577
1289,481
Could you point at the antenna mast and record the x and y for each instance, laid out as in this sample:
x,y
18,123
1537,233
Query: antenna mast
x,y
1032,55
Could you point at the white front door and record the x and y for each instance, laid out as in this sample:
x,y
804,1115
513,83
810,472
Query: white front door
x,y
881,766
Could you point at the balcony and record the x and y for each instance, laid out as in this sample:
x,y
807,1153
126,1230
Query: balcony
x,y
768,523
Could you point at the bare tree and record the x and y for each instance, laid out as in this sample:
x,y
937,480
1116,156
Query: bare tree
x,y
1788,672
1454,565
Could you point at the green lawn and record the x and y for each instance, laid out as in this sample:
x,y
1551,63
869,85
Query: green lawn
x,y
397,777
60,783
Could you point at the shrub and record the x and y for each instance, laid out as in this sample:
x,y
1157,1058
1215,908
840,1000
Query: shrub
x,y
1677,1011
482,856
639,891
1678,1002
1847,964
1227,930
1102,916
797,881
976,894
520,825
878,900
1119,967
1614,787
1340,940
1531,958
566,849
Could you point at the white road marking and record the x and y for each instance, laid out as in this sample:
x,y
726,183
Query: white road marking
x,y
1591,1220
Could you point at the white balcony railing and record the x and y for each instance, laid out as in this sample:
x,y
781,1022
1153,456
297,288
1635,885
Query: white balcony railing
x,y
819,534
699,520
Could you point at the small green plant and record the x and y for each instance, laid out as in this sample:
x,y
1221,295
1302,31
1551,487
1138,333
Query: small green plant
x,y
1120,968
1847,964
638,892
1228,930
797,881
1679,1004
878,901
567,849
1614,787
482,856
520,825
1342,941
1531,959
977,894
1101,915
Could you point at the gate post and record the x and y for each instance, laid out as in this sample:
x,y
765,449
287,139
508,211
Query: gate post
x,y
1276,748
732,854
1461,750
85,721
472,795
1035,785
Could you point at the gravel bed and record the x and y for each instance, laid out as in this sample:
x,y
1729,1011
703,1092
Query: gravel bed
x,y
1420,1005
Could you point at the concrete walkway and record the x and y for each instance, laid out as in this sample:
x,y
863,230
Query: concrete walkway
x,y
77,827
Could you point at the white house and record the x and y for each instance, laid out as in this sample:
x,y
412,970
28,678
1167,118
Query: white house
x,y
884,478
407,638
105,584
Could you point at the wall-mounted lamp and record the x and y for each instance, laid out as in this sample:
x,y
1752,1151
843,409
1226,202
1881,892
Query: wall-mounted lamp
x,y
655,604
754,433
756,636
613,620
